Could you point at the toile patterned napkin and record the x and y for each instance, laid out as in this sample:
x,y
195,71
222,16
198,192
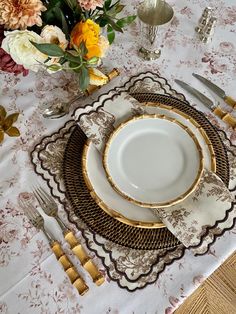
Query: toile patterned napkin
x,y
105,115
191,219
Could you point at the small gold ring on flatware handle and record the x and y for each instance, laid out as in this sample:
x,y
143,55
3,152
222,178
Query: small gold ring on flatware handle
x,y
85,260
70,270
225,116
92,88
114,73
230,101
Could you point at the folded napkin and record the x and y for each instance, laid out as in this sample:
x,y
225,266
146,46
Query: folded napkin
x,y
198,219
100,119
192,219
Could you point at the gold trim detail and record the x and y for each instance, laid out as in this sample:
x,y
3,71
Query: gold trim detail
x,y
192,121
113,213
154,205
98,220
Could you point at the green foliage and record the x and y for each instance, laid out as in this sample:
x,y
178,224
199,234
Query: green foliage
x,y
93,61
72,4
65,14
119,8
51,50
54,67
73,60
62,13
108,17
70,57
52,3
61,17
110,34
107,4
114,25
126,21
83,49
83,77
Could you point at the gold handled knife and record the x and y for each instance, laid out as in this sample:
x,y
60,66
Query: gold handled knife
x,y
225,116
217,90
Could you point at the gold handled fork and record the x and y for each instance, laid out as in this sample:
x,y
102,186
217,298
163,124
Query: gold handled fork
x,y
38,222
50,208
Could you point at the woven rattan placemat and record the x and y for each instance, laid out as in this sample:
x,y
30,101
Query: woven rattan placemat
x,y
96,219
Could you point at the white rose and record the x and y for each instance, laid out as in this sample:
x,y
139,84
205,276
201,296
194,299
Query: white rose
x,y
18,45
54,35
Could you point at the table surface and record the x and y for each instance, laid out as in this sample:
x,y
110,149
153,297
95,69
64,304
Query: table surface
x,y
31,279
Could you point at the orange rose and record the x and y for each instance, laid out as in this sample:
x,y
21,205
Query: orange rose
x,y
88,32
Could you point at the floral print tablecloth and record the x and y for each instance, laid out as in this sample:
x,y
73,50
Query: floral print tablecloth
x,y
31,279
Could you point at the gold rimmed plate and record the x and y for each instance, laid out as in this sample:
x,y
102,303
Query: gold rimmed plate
x,y
112,202
96,219
153,160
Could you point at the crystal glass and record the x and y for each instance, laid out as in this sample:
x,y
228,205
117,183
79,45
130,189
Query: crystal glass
x,y
152,14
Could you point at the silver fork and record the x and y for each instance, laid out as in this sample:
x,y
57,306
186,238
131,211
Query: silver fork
x,y
48,205
38,222
50,208
35,218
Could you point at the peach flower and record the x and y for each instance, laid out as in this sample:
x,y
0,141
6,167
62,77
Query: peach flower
x,y
91,4
21,14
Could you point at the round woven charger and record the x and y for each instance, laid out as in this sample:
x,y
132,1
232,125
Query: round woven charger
x,y
101,223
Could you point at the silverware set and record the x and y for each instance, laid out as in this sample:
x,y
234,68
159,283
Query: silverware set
x,y
217,90
220,113
50,208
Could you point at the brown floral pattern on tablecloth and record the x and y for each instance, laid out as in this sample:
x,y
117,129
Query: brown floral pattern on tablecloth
x,y
182,54
11,222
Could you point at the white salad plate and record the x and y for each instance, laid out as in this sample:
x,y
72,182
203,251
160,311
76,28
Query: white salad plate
x,y
153,160
112,202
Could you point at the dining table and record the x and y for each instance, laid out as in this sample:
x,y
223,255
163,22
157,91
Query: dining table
x,y
31,279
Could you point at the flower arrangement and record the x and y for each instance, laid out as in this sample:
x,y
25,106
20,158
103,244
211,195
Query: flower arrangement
x,y
59,35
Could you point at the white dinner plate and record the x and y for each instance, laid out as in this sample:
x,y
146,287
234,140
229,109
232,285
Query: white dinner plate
x,y
114,204
153,160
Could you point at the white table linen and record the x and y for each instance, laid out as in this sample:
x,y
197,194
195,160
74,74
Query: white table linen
x,y
31,279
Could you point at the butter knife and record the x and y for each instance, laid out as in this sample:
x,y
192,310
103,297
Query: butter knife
x,y
217,90
225,116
